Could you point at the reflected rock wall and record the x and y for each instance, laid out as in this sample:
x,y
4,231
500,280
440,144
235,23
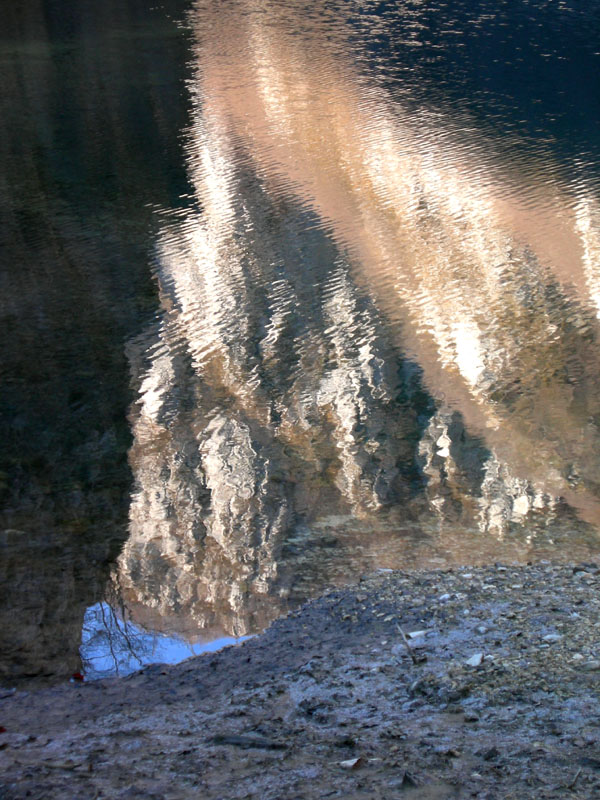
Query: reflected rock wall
x,y
362,320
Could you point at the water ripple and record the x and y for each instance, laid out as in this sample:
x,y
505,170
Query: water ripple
x,y
379,317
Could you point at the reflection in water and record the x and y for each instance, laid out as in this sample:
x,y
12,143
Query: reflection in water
x,y
89,103
378,342
113,646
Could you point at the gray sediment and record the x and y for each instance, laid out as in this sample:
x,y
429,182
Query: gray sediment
x,y
467,682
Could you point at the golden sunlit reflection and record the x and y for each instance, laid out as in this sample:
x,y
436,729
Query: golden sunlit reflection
x,y
378,343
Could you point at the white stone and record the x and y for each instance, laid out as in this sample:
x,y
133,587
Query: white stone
x,y
417,634
475,660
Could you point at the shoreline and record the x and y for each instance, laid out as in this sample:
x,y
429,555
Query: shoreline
x,y
497,697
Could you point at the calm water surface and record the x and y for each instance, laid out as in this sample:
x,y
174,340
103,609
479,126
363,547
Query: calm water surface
x,y
290,292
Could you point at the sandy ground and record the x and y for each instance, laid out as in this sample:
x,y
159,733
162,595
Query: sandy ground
x,y
497,697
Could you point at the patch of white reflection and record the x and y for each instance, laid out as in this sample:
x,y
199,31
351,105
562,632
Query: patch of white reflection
x,y
112,646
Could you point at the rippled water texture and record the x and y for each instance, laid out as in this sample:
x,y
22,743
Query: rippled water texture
x,y
374,340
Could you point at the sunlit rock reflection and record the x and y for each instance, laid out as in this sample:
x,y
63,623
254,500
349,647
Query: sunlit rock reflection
x,y
368,318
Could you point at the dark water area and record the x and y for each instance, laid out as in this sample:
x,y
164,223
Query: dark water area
x,y
92,108
290,292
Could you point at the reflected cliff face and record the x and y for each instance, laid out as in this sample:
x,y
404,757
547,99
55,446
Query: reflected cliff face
x,y
378,343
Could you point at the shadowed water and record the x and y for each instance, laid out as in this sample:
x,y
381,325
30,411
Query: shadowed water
x,y
90,102
374,342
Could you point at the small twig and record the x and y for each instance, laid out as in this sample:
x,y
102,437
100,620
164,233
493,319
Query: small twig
x,y
63,764
408,647
574,781
246,742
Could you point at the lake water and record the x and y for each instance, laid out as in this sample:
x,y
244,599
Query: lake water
x,y
290,292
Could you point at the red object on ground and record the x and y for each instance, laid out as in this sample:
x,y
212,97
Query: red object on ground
x,y
77,676
2,729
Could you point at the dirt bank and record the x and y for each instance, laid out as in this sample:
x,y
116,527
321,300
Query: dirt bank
x,y
498,698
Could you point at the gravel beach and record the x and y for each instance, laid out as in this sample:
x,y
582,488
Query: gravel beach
x,y
458,683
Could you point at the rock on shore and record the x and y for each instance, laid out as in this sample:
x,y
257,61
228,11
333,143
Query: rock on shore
x,y
472,682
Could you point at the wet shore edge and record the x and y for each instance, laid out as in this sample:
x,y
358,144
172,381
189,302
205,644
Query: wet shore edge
x,y
466,682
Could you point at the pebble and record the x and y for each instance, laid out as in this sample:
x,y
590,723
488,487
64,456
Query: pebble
x,y
591,666
475,660
552,637
352,763
418,634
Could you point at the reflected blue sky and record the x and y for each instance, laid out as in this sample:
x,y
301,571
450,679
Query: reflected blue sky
x,y
112,646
